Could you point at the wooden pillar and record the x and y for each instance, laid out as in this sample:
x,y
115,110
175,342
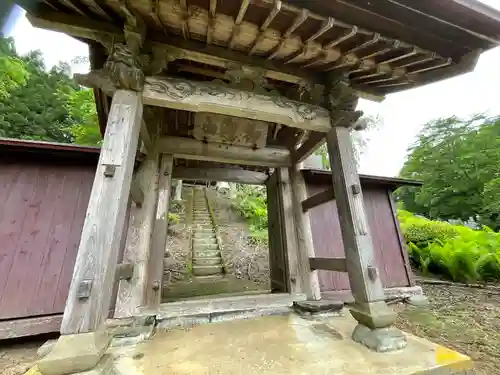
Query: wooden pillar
x,y
159,239
288,229
132,292
305,247
84,339
90,293
370,309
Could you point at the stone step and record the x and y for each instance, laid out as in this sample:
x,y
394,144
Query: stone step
x,y
203,230
204,249
205,253
210,243
206,270
206,261
203,227
201,235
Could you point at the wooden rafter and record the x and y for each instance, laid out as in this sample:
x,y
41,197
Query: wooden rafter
x,y
287,49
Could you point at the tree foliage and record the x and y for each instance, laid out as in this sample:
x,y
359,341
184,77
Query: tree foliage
x,y
12,70
41,104
458,161
359,141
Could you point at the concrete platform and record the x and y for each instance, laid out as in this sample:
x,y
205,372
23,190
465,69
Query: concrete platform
x,y
280,345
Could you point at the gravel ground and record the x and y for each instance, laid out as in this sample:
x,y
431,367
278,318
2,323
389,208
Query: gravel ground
x,y
18,356
462,318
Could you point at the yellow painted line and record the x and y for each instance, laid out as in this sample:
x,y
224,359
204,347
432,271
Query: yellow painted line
x,y
33,371
453,359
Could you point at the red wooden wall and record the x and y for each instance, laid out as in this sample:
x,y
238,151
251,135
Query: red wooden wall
x,y
389,250
43,200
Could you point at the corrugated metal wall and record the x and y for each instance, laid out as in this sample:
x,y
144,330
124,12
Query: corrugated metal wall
x,y
383,228
43,205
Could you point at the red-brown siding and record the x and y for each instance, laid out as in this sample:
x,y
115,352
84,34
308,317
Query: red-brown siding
x,y
43,200
383,228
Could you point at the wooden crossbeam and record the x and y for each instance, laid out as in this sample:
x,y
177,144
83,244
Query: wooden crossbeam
x,y
192,149
320,198
315,140
241,176
328,264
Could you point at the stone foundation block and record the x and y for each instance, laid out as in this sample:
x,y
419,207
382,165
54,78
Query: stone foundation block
x,y
380,339
75,353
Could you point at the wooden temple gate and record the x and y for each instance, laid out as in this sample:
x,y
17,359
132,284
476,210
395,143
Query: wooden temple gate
x,y
238,91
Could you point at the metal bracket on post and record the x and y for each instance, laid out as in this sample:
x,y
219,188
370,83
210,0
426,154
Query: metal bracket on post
x,y
156,285
372,273
84,289
109,171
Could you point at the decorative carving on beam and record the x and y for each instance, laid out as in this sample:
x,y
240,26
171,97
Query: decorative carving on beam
x,y
230,130
203,97
125,68
248,79
124,64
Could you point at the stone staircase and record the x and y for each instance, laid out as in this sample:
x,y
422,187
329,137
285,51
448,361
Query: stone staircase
x,y
207,260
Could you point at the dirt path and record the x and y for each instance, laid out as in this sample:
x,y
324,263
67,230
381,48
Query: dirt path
x,y
18,356
465,319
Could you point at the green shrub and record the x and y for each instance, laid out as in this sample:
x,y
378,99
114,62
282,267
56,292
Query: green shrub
x,y
173,218
251,203
421,231
455,252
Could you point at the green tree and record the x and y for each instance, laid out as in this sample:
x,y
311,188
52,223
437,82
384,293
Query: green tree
x,y
359,140
43,105
456,159
82,109
12,70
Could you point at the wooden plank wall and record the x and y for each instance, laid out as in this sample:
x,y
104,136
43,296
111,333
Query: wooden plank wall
x,y
328,243
43,206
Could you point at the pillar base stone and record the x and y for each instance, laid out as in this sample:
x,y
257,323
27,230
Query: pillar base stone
x,y
373,314
75,353
380,339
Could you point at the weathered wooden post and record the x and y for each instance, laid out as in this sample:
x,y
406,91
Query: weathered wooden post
x,y
374,317
305,247
84,340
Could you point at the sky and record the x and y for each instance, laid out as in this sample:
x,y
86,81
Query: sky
x,y
401,115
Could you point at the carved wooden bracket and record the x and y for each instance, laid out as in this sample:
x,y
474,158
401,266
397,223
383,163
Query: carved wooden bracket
x,y
341,101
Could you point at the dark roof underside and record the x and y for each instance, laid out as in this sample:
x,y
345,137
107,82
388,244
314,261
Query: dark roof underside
x,y
402,43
